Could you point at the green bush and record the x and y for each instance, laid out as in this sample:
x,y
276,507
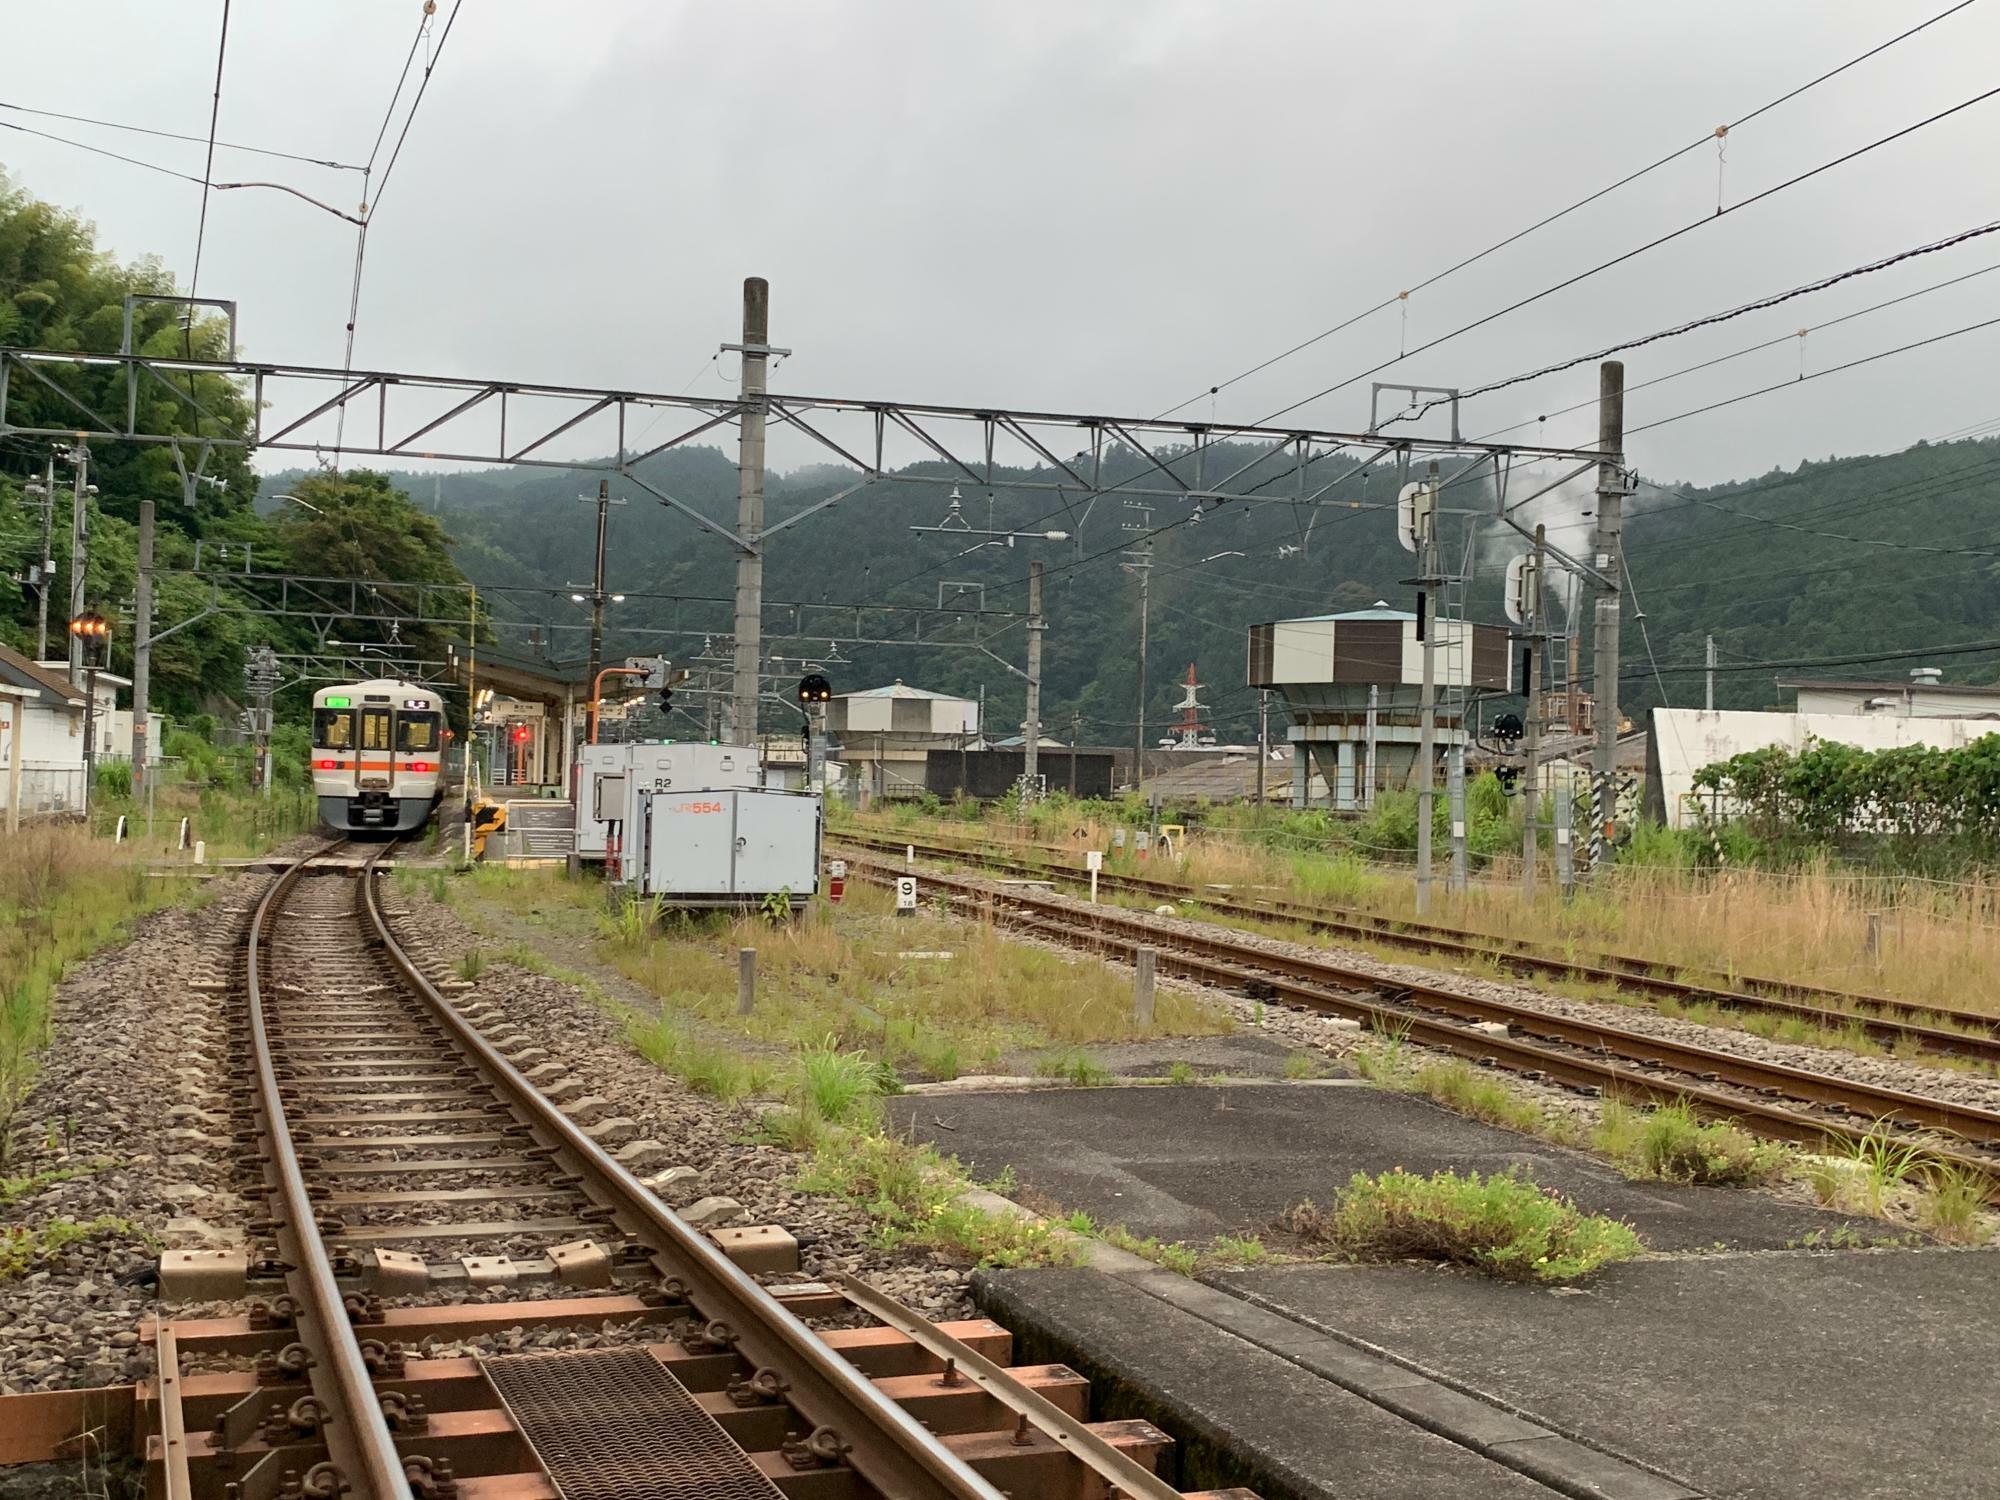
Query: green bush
x,y
114,779
1503,1225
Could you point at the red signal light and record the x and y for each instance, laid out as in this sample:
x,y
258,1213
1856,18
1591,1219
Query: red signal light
x,y
520,733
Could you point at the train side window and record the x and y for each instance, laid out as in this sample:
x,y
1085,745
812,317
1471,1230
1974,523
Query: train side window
x,y
333,728
375,729
416,731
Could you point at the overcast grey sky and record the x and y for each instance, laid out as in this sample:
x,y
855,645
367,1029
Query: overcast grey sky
x,y
1101,205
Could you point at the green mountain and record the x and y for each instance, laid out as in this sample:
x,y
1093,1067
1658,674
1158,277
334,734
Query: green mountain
x,y
1851,557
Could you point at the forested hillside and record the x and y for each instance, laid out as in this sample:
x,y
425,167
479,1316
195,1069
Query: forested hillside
x,y
58,291
1835,559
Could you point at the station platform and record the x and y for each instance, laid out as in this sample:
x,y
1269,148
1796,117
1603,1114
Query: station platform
x,y
1742,1357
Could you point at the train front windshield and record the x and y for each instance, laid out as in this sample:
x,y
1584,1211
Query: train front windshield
x,y
333,728
416,732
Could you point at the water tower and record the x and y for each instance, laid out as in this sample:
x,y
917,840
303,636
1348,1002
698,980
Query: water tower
x,y
1353,683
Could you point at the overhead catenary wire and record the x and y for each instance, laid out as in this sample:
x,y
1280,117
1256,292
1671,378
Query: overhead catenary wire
x,y
1642,249
1704,139
1711,319
171,135
1653,244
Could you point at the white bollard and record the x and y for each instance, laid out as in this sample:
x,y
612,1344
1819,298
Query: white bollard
x,y
118,833
201,851
1093,861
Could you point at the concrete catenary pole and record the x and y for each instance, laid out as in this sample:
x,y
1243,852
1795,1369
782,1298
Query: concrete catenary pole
x,y
1145,567
45,557
742,726
1531,733
142,648
1708,690
1427,699
597,581
79,530
1031,730
1609,563
1263,744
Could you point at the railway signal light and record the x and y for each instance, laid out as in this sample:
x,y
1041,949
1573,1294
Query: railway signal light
x,y
666,700
520,734
813,688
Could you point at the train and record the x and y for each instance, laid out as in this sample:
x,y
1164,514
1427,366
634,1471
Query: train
x,y
378,755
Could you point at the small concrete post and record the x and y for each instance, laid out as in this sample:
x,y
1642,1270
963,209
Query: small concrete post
x,y
1875,938
1142,986
909,856
746,981
201,851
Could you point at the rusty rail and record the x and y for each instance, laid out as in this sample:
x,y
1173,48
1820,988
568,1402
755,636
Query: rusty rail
x,y
359,1445
1880,1017
884,1444
1585,1060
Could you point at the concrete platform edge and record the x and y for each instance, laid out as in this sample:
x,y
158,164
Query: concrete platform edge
x,y
1473,1420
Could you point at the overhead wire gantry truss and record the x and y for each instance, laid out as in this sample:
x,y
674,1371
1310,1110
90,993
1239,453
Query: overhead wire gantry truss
x,y
413,417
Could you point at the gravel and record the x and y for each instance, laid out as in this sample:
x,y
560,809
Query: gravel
x,y
711,1137
131,1056
1882,1072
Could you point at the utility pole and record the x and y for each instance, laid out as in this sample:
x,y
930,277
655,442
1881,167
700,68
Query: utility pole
x,y
47,570
1032,729
1457,880
1374,708
1610,569
142,648
1708,693
598,596
79,527
1532,730
1424,518
741,726
1263,744
1141,562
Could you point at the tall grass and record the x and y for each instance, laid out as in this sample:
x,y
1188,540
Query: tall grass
x,y
1940,940
62,895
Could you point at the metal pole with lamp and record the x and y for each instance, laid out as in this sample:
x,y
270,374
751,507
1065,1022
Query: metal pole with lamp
x,y
84,629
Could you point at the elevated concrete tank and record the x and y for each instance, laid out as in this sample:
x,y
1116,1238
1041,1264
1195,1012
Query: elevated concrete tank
x,y
1325,668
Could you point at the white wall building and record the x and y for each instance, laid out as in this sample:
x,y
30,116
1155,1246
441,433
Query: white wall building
x,y
50,741
886,733
1867,715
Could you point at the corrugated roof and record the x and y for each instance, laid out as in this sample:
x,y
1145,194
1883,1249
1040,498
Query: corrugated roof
x,y
1352,614
22,672
897,689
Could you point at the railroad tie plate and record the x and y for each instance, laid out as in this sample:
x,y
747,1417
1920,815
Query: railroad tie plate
x,y
614,1424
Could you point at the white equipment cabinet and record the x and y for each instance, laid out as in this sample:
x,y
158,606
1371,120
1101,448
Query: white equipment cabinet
x,y
611,778
728,846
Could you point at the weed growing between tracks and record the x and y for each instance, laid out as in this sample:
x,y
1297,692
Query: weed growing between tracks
x,y
1503,1225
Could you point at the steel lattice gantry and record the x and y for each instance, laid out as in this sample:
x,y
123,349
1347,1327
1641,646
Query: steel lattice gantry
x,y
385,415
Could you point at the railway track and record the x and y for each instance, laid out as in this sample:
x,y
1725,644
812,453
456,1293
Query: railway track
x,y
1784,1103
1935,1029
407,1152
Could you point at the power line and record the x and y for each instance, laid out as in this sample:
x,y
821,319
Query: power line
x,y
1710,320
1786,385
208,169
64,140
1720,359
172,135
1652,244
1583,202
416,103
1961,648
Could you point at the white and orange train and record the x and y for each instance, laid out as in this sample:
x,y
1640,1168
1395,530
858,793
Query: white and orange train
x,y
377,755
